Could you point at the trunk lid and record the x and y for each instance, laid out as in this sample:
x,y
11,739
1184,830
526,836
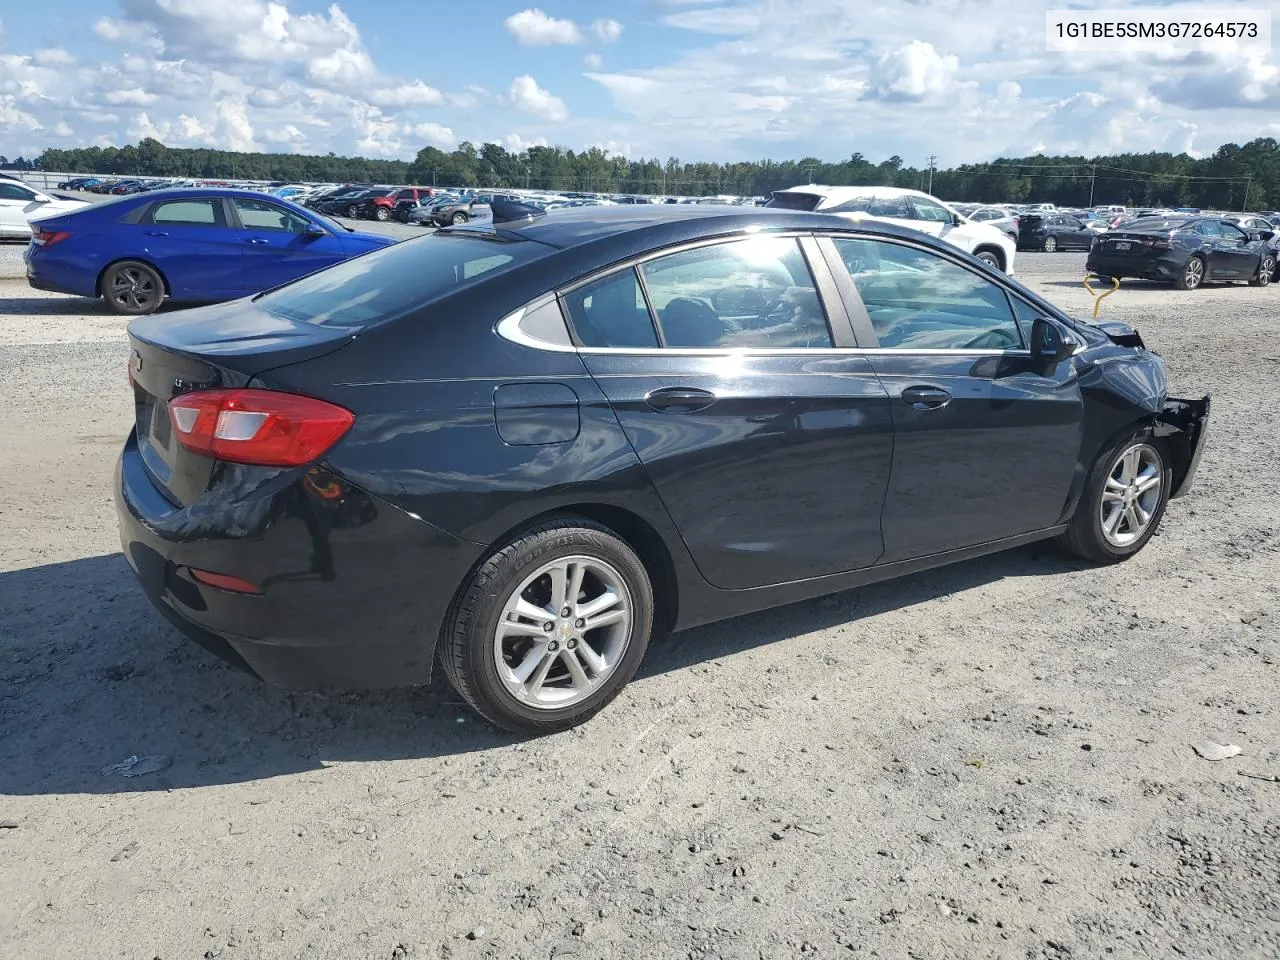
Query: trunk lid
x,y
221,346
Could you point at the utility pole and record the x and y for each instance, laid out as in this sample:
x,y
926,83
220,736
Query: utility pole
x,y
932,160
1247,183
809,168
1093,176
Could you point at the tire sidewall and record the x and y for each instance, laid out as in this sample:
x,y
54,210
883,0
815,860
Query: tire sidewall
x,y
506,574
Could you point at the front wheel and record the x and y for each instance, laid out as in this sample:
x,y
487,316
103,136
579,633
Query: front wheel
x,y
382,214
989,258
550,628
1123,502
1266,270
458,218
132,288
352,212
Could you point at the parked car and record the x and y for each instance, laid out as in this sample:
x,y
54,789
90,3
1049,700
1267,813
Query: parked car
x,y
383,208
21,205
350,204
996,217
399,459
195,245
1258,224
78,183
908,208
1053,232
423,212
1187,250
460,211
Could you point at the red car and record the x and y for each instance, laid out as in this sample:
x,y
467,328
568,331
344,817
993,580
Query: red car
x,y
381,208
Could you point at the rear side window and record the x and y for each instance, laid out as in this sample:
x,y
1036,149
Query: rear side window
x,y
204,213
754,293
788,200
392,281
611,312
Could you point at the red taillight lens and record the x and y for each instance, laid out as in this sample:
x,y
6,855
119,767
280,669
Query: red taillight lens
x,y
47,238
263,427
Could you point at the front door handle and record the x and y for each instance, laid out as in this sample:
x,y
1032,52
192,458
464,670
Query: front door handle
x,y
679,399
926,398
157,233
257,240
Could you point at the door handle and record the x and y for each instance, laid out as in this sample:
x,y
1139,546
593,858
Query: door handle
x,y
157,233
257,240
679,399
926,398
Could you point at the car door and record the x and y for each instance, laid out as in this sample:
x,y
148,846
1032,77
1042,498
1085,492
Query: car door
x,y
191,243
280,244
1220,264
1239,251
985,440
16,201
931,218
768,439
1075,233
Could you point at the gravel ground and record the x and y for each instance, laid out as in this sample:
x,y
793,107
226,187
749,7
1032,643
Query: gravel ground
x,y
990,760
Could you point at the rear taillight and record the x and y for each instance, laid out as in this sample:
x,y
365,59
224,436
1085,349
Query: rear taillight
x,y
47,238
1155,244
263,427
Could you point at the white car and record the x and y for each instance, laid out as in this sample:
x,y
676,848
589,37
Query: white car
x,y
20,204
908,208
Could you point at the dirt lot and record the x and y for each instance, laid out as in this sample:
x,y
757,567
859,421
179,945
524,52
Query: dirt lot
x,y
990,760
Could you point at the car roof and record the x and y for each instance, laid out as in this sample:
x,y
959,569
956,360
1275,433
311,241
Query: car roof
x,y
869,190
656,225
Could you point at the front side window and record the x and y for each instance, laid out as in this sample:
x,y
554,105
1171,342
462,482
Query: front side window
x,y
1231,232
611,312
1208,228
890,207
263,215
918,300
928,210
744,294
200,213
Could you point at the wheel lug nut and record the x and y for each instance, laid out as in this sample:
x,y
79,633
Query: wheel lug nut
x,y
565,612
548,626
572,644
553,646
580,622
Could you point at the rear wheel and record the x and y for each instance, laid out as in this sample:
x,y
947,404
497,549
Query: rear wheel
x,y
1266,270
1123,502
132,288
1192,274
550,628
1050,244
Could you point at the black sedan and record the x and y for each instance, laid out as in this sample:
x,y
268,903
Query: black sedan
x,y
524,447
1053,232
1186,250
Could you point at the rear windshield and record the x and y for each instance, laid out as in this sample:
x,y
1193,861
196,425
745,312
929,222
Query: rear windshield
x,y
394,280
1154,224
788,200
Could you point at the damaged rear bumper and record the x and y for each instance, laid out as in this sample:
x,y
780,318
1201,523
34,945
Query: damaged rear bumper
x,y
1184,424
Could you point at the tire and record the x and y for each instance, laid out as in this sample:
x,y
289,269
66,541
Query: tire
x,y
1192,274
132,288
353,212
382,214
1050,244
1013,237
1105,504
1266,269
459,218
518,573
987,257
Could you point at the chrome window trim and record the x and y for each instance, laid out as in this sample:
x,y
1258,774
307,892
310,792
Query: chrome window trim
x,y
509,329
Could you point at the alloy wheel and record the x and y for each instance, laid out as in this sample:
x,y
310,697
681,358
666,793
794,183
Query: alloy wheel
x,y
1131,494
133,289
1195,273
563,631
1050,244
1266,272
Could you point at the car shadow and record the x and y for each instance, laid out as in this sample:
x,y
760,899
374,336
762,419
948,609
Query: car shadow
x,y
93,675
68,306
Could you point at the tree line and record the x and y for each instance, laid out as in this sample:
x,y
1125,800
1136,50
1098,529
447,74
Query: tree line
x,y
1233,177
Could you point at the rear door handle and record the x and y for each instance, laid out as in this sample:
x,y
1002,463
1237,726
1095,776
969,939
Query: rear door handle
x,y
157,233
257,240
679,399
926,398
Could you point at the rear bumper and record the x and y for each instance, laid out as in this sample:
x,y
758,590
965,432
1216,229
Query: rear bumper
x,y
50,272
354,590
1162,268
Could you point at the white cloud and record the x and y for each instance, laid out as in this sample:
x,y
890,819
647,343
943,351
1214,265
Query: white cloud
x,y
412,94
107,29
233,127
433,135
607,29
913,71
134,96
526,95
593,60
53,57
533,28
515,143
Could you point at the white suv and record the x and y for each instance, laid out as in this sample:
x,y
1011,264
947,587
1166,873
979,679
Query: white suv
x,y
21,204
907,208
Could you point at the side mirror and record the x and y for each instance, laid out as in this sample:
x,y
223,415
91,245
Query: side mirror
x,y
1050,343
1266,234
957,220
314,231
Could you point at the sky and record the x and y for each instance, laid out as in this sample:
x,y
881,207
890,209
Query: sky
x,y
722,80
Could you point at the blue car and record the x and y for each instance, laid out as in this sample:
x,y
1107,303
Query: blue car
x,y
193,245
